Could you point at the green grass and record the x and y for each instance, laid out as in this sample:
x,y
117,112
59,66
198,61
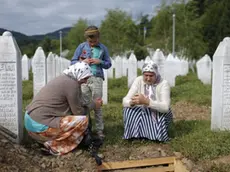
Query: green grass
x,y
219,167
193,139
27,93
189,88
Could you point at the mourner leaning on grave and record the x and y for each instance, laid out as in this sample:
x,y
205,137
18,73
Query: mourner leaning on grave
x,y
56,117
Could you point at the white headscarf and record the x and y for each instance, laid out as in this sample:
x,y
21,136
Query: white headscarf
x,y
150,90
78,71
152,67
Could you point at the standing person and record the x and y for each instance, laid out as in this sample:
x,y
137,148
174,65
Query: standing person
x,y
147,112
97,56
55,117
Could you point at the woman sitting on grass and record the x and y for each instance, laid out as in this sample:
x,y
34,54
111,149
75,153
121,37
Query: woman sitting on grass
x,y
147,111
56,116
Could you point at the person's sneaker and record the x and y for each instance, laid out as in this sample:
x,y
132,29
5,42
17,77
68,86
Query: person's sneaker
x,y
101,134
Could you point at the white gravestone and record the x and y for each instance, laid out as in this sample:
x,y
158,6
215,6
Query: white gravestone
x,y
39,70
50,67
140,64
220,119
204,69
170,70
118,67
105,87
132,69
159,59
57,65
179,66
184,64
150,51
147,59
111,69
62,64
25,67
11,119
124,66
191,65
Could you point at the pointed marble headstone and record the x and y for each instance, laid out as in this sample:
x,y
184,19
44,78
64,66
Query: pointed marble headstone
x,y
132,69
50,67
39,70
170,70
25,67
220,119
159,59
204,69
118,67
11,119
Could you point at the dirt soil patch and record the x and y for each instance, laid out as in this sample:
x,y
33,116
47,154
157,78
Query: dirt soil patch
x,y
20,158
187,111
17,158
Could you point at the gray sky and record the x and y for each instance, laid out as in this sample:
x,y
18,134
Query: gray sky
x,y
42,16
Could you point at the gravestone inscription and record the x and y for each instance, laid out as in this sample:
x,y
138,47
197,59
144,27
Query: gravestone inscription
x,y
11,120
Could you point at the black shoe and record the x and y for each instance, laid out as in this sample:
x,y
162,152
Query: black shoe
x,y
45,151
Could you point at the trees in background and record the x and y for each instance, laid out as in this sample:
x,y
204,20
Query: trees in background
x,y
200,26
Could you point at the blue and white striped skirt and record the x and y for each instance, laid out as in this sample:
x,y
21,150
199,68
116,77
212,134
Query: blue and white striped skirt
x,y
139,122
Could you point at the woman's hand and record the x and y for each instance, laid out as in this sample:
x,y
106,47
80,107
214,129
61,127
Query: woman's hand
x,y
139,99
98,103
95,61
87,60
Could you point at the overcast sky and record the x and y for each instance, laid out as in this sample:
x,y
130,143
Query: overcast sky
x,y
42,16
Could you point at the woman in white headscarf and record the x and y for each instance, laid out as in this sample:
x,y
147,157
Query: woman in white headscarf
x,y
56,117
147,111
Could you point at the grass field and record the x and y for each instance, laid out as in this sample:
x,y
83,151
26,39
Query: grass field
x,y
193,138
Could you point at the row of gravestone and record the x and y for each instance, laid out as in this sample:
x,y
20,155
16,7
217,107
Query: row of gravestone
x,y
169,67
11,116
54,64
45,69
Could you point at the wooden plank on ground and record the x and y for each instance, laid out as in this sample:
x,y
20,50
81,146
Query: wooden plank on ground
x,y
150,169
136,163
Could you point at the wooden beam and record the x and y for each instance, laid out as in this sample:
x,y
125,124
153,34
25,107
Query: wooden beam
x,y
151,169
136,163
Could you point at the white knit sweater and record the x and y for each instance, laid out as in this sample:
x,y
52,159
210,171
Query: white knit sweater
x,y
162,102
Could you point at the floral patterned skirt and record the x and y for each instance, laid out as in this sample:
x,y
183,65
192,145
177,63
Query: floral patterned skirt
x,y
62,140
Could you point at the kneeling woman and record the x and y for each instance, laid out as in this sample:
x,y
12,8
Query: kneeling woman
x,y
56,117
147,111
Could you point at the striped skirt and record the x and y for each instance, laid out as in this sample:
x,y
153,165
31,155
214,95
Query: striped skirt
x,y
140,122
